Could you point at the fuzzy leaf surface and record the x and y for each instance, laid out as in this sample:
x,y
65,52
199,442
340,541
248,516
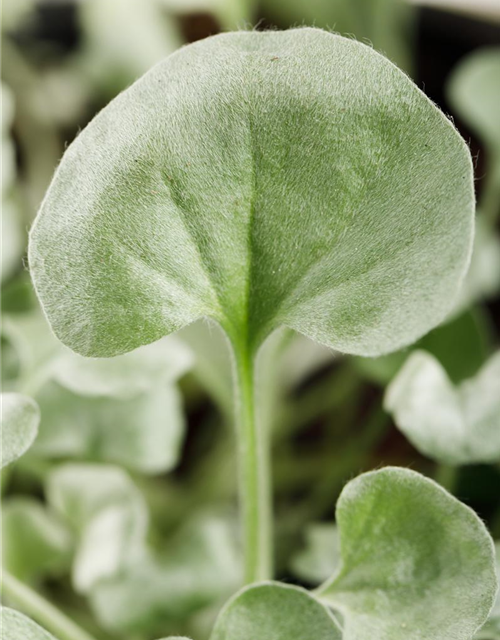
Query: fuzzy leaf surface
x,y
416,563
275,611
19,425
291,178
452,424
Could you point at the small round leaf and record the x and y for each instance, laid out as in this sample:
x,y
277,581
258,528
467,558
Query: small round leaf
x,y
416,563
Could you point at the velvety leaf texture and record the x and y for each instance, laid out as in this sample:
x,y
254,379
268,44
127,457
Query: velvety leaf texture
x,y
416,563
452,424
275,612
16,626
290,178
19,425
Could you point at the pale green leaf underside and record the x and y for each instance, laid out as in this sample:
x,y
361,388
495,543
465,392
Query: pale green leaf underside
x,y
416,563
19,425
199,567
107,511
474,91
16,626
290,178
274,611
163,361
452,424
144,433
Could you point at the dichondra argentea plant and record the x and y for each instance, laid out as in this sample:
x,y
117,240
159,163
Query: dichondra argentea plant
x,y
282,179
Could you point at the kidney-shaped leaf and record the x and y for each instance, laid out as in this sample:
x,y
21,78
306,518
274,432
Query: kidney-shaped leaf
x,y
416,563
452,424
16,626
19,425
262,179
275,611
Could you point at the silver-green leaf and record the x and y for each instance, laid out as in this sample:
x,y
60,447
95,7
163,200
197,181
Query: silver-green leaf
x,y
416,563
452,424
105,508
19,425
291,178
144,433
161,362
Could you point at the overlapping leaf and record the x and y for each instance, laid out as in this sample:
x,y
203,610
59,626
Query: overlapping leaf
x,y
131,587
130,375
144,433
200,567
124,410
276,611
452,424
294,178
469,330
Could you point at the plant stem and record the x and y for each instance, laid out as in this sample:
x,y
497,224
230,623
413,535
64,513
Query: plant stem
x,y
255,492
41,610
